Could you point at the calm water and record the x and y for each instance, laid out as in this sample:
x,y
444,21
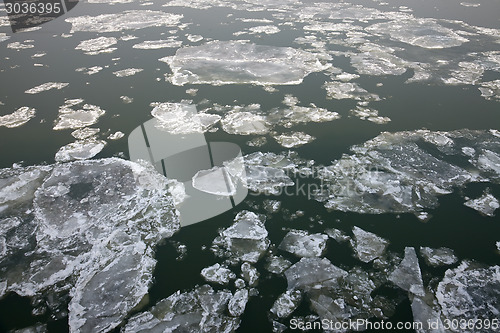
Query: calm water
x,y
429,105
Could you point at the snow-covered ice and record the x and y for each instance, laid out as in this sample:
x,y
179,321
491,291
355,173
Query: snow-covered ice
x,y
218,274
487,204
438,257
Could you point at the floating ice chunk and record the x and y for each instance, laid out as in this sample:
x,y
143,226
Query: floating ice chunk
x,y
425,314
250,274
3,37
245,240
46,86
79,150
127,72
127,20
230,62
257,142
302,244
17,118
338,235
19,46
375,60
488,161
294,139
311,273
194,38
370,115
158,44
218,274
266,180
407,275
199,310
486,204
348,90
84,133
117,135
301,115
277,265
97,45
423,32
438,257
286,303
468,292
178,118
490,89
214,181
264,29
244,123
91,70
70,118
237,304
367,245
271,206
470,4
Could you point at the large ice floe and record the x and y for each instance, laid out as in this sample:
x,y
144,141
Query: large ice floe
x,y
17,118
406,171
127,20
69,118
237,62
70,233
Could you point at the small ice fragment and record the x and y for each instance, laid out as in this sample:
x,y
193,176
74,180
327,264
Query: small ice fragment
x,y
264,29
218,274
294,139
126,99
277,265
438,257
338,235
367,245
214,181
407,275
84,133
117,135
19,46
180,118
17,118
194,38
97,45
257,142
158,44
46,86
238,302
310,273
286,303
79,150
348,90
302,244
127,72
470,4
72,119
244,123
250,274
486,204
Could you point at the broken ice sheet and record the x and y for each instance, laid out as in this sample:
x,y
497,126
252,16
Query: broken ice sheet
x,y
423,32
244,123
367,245
214,181
127,20
97,45
377,60
487,204
286,303
348,90
245,240
303,244
310,273
17,118
90,234
158,44
301,115
127,72
277,264
84,133
264,29
218,274
70,118
438,257
407,275
369,114
199,310
293,139
46,86
179,118
468,292
236,62
80,150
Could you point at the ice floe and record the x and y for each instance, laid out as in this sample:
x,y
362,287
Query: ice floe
x,y
487,204
468,292
294,139
245,240
180,118
277,265
367,245
19,46
218,274
116,135
348,90
369,114
438,257
199,310
158,44
79,150
127,72
286,303
216,181
94,241
303,244
46,86
236,62
238,302
17,118
264,29
70,118
97,45
126,20
310,273
407,275
84,133
249,274
244,123
3,37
